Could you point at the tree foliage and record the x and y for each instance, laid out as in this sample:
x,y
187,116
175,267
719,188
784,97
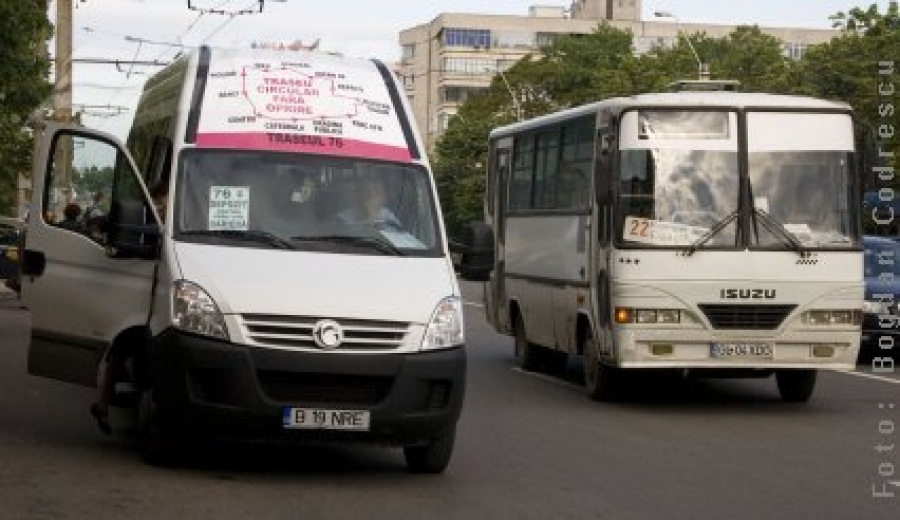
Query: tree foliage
x,y
24,28
579,69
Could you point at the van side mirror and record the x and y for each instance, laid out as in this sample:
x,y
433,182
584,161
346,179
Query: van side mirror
x,y
477,259
129,235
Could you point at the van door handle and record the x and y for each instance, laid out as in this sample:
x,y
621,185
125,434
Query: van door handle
x,y
33,263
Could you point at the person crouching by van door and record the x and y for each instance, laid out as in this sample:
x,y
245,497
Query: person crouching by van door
x,y
117,356
159,194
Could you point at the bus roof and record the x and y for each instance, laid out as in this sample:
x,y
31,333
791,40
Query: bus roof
x,y
687,99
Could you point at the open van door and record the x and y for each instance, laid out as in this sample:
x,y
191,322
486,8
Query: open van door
x,y
90,248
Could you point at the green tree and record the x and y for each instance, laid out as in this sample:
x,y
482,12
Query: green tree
x,y
24,29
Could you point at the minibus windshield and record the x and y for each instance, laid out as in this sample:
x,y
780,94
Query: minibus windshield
x,y
291,201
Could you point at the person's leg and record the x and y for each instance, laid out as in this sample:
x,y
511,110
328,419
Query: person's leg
x,y
100,409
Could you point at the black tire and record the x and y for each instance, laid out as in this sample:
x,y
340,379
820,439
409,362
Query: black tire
x,y
555,362
528,352
602,382
432,457
796,386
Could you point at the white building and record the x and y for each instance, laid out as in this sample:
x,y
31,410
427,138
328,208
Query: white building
x,y
446,59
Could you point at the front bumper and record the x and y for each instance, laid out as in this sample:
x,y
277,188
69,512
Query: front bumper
x,y
214,388
692,349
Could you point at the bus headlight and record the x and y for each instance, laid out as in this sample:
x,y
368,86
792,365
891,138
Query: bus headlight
x,y
832,317
194,311
662,316
446,327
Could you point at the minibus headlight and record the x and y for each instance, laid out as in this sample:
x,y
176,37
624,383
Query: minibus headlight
x,y
194,311
446,328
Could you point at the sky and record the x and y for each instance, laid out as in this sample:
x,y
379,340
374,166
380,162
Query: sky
x,y
154,29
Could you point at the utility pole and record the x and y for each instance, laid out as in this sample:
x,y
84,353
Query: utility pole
x,y
62,101
62,92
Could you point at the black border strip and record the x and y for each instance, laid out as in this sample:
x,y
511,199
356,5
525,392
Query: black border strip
x,y
556,282
190,134
397,101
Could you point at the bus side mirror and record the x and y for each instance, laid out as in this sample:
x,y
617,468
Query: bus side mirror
x,y
477,260
129,234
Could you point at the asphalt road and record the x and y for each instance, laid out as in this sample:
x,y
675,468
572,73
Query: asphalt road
x,y
529,446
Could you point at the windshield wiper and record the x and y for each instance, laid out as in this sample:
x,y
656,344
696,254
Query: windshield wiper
x,y
263,237
777,228
376,243
713,231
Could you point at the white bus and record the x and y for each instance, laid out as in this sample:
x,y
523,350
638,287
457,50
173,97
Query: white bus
x,y
712,232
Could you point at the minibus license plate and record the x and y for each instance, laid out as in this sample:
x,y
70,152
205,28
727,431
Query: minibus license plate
x,y
320,419
741,350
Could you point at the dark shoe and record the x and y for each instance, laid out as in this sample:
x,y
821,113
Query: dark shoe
x,y
102,419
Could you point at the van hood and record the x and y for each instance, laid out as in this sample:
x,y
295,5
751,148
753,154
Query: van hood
x,y
302,283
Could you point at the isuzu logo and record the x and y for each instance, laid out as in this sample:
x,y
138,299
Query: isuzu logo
x,y
747,294
328,334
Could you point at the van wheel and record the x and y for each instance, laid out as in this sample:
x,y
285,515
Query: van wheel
x,y
603,382
796,386
528,352
432,457
158,447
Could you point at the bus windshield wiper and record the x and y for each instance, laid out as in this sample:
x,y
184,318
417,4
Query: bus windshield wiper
x,y
376,243
263,237
777,228
713,231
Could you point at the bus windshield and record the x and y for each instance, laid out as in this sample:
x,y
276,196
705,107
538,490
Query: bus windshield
x,y
799,167
305,202
679,181
678,178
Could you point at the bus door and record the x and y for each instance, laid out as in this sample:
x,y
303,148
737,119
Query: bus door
x,y
498,180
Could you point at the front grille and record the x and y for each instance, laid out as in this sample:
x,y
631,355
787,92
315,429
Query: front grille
x,y
340,389
758,317
296,331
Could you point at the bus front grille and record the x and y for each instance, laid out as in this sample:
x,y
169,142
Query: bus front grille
x,y
754,317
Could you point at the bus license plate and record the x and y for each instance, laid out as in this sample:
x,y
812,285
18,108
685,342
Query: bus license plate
x,y
320,419
741,350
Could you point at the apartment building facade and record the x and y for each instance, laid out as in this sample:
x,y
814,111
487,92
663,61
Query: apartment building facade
x,y
456,54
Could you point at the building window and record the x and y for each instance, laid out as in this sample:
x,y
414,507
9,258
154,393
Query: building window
x,y
458,94
455,37
407,51
470,65
513,40
543,39
793,50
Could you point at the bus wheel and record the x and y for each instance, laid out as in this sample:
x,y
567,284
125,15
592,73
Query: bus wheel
x,y
601,381
796,386
528,352
432,457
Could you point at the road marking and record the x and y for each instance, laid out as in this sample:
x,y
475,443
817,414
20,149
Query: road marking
x,y
548,378
473,304
870,376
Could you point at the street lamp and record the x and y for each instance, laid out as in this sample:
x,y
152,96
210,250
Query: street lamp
x,y
702,71
512,95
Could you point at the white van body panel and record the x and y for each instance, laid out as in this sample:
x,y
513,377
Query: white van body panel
x,y
241,280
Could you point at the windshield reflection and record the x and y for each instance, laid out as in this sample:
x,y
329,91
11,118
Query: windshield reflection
x,y
312,203
672,197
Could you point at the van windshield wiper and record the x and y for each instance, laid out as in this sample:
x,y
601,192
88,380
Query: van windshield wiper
x,y
263,237
376,243
713,231
777,228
